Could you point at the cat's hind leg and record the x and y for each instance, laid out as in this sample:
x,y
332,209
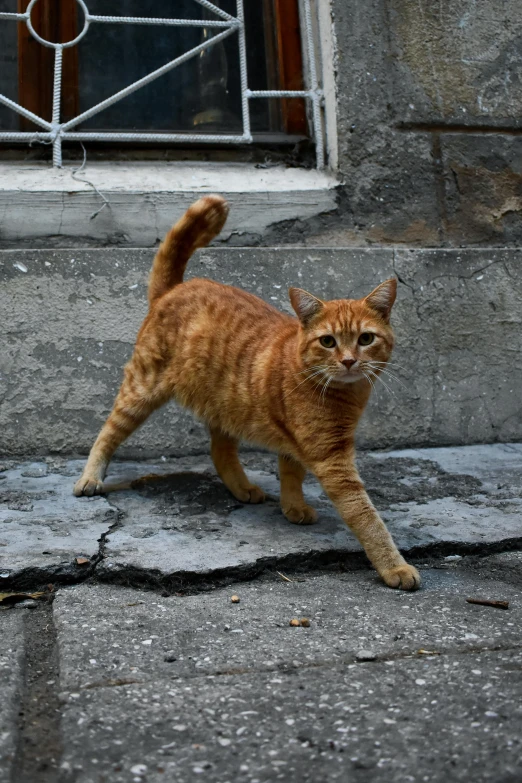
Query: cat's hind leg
x,y
293,504
135,401
223,450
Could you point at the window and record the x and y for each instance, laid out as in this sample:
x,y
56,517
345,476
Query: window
x,y
123,71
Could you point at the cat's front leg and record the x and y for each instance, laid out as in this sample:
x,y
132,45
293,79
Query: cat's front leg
x,y
343,485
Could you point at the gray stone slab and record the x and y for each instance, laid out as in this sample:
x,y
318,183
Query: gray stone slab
x,y
453,298
482,486
109,634
11,659
421,88
70,322
428,721
182,524
263,701
43,528
497,463
175,523
188,523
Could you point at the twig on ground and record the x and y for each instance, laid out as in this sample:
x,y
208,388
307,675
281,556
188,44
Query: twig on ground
x,y
488,602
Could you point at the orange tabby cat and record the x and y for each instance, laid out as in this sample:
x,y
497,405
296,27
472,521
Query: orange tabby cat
x,y
296,386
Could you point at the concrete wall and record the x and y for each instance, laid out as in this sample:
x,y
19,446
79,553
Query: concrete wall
x,y
430,122
70,320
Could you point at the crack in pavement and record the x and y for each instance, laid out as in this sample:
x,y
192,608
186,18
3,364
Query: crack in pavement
x,y
39,743
189,583
288,668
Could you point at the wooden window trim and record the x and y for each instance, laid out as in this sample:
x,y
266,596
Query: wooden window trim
x,y
54,20
290,64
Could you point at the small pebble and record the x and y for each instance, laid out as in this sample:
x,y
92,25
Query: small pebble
x,y
34,472
235,599
294,622
366,655
305,622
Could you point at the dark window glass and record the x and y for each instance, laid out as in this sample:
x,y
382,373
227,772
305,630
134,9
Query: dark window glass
x,y
202,95
8,67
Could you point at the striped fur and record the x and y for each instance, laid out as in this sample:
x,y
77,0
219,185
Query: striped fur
x,y
254,373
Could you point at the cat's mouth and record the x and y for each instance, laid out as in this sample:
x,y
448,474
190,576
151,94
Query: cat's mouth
x,y
348,376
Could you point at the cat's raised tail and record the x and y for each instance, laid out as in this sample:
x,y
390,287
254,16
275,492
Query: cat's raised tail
x,y
199,225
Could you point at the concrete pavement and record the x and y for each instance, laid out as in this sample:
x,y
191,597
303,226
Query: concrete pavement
x,y
140,668
383,685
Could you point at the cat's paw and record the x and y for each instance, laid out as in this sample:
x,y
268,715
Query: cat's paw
x,y
251,494
406,577
88,486
300,514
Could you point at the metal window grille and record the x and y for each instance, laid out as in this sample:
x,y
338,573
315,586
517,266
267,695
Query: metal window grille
x,y
56,132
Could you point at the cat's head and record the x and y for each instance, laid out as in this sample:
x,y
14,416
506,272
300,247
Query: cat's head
x,y
345,340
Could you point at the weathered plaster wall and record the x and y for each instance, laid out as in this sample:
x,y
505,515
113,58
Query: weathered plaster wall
x,y
430,129
69,322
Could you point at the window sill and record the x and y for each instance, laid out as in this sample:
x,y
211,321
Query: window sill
x,y
143,199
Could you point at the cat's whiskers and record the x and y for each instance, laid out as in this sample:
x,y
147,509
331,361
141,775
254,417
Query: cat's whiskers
x,y
312,367
385,371
320,371
395,378
378,378
323,384
326,384
369,380
387,365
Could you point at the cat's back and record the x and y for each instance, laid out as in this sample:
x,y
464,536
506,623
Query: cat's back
x,y
218,307
221,345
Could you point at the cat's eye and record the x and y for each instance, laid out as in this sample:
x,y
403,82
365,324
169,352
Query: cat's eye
x,y
366,338
327,341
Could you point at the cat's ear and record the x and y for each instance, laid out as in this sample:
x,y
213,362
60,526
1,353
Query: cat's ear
x,y
305,305
382,298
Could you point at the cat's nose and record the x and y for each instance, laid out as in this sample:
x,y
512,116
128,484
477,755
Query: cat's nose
x,y
348,363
